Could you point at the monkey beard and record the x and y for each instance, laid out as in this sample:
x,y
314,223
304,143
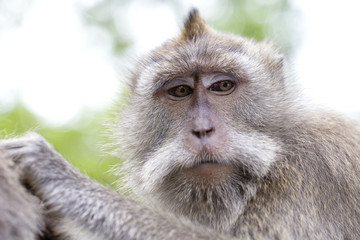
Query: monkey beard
x,y
217,203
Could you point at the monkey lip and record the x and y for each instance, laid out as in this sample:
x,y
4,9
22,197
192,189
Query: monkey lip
x,y
207,170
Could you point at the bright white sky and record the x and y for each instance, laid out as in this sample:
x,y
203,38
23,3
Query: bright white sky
x,y
328,62
56,70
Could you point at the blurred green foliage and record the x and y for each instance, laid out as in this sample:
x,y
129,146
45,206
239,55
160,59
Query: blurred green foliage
x,y
258,19
81,143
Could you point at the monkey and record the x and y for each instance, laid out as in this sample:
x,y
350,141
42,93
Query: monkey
x,y
217,145
15,224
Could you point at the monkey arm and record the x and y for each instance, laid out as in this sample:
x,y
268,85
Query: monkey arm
x,y
84,209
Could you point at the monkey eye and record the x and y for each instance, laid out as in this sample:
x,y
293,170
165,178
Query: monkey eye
x,y
222,87
180,91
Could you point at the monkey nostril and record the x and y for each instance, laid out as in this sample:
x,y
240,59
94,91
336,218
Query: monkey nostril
x,y
203,133
196,133
208,132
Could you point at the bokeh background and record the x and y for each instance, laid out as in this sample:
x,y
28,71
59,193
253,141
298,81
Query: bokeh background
x,y
63,64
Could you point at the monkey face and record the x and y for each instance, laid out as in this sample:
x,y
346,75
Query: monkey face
x,y
195,127
202,101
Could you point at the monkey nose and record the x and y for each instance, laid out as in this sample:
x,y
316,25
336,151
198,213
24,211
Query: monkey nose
x,y
203,133
202,129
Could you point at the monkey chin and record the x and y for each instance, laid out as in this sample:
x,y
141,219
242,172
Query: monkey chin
x,y
208,172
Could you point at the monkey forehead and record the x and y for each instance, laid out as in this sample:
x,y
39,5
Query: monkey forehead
x,y
174,60
209,53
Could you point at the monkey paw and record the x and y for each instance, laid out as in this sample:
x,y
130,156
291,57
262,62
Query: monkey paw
x,y
30,153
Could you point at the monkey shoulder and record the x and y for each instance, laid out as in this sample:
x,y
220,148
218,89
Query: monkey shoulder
x,y
332,133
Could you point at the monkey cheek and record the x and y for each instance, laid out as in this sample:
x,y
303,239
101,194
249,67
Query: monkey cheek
x,y
208,172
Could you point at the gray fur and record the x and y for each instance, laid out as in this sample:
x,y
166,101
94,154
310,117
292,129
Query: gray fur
x,y
295,171
20,212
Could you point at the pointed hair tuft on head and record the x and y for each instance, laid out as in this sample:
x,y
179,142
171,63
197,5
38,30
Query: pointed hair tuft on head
x,y
194,26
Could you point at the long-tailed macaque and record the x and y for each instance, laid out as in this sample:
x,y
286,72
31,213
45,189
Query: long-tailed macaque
x,y
217,146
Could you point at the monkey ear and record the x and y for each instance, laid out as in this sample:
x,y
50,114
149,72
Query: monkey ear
x,y
194,26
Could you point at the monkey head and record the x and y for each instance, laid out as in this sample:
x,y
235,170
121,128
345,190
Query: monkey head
x,y
200,126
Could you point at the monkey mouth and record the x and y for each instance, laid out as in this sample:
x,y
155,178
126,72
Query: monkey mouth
x,y
208,170
207,161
